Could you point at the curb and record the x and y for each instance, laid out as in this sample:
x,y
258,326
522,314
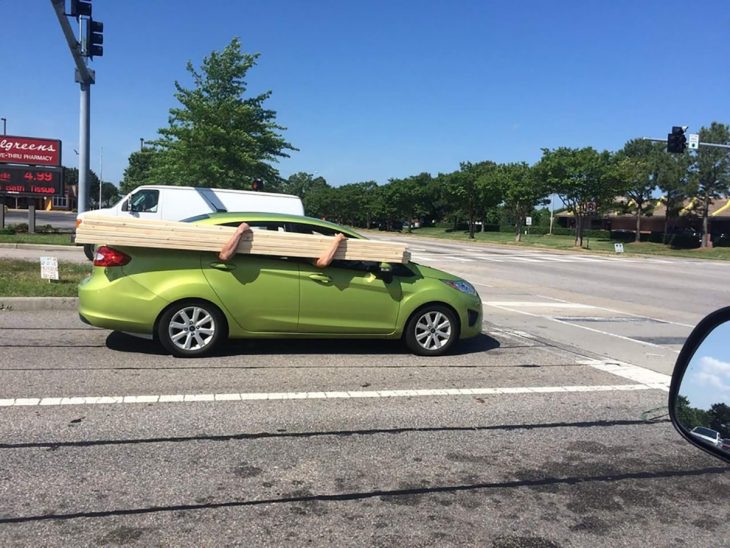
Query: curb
x,y
38,303
40,247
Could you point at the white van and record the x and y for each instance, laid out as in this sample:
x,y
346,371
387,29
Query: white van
x,y
175,203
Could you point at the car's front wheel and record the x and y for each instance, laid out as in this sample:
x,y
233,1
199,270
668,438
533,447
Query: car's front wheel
x,y
432,330
191,328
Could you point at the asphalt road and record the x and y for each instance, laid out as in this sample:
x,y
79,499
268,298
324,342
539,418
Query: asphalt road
x,y
548,430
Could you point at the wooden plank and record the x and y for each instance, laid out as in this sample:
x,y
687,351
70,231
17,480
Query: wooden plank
x,y
186,236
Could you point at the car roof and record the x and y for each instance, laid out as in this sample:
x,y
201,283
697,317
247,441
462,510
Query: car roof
x,y
248,216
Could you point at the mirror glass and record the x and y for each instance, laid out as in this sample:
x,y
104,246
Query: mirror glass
x,y
704,394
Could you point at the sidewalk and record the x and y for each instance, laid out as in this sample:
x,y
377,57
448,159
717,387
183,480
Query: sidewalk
x,y
33,252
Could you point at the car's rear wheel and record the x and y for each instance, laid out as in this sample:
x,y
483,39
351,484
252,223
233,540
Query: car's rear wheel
x,y
191,328
432,330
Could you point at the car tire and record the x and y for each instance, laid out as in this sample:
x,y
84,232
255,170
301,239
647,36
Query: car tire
x,y
89,251
191,328
432,330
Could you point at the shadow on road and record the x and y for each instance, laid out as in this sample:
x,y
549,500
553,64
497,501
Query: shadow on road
x,y
123,342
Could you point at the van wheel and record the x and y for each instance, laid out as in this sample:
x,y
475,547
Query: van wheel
x,y
432,330
89,251
191,328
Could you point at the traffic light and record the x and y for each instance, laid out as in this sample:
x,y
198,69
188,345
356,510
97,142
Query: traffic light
x,y
676,141
80,8
257,184
94,39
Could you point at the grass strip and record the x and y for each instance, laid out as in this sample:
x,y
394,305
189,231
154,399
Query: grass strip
x,y
23,279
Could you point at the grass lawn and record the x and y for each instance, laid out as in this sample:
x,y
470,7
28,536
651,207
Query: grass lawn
x,y
23,279
566,243
37,238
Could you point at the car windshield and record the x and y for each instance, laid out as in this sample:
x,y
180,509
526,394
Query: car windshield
x,y
705,432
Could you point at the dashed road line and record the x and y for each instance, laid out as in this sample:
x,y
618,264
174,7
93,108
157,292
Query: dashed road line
x,y
339,395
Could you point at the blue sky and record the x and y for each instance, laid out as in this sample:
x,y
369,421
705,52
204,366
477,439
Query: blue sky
x,y
380,89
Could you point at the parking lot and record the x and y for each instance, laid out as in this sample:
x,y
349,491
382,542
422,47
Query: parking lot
x,y
550,429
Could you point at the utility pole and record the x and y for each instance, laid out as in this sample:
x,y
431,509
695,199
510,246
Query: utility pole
x,y
141,144
5,125
101,173
88,46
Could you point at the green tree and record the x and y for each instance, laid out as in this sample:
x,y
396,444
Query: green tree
x,y
138,171
718,418
217,137
522,192
301,183
676,184
636,167
582,179
472,190
361,206
689,416
712,168
71,179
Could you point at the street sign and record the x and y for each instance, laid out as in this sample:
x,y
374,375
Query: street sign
x,y
49,268
528,221
619,248
694,141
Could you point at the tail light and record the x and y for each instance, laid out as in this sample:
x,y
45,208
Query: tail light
x,y
108,256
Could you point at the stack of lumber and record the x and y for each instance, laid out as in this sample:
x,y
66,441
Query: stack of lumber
x,y
196,237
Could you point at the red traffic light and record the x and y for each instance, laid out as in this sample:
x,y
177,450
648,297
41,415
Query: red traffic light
x,y
257,184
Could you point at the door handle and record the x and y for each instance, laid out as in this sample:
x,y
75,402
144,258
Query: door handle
x,y
223,266
320,278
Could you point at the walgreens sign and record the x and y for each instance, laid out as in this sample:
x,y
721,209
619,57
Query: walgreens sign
x,y
30,150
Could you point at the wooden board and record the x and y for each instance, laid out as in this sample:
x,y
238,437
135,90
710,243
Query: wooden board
x,y
186,236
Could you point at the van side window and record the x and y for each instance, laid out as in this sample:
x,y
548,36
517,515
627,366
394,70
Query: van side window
x,y
144,200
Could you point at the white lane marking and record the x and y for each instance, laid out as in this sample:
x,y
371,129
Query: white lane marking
x,y
538,304
614,311
631,372
556,320
525,259
354,394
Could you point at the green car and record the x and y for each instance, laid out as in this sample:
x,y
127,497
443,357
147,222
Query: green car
x,y
191,301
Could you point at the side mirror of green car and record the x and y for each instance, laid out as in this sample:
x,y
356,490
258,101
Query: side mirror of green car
x,y
385,272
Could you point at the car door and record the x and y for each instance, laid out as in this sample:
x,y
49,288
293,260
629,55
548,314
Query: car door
x,y
260,292
347,298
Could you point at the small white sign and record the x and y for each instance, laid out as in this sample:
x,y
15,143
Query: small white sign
x,y
49,268
694,141
619,248
528,221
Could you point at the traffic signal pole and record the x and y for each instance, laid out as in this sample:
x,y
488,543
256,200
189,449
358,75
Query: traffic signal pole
x,y
85,77
84,148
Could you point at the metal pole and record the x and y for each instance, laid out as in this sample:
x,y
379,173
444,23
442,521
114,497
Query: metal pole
x,y
101,173
141,143
5,125
84,147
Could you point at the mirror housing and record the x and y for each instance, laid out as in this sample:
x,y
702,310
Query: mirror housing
x,y
701,376
385,272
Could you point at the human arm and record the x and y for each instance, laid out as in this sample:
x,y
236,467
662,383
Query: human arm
x,y
229,250
326,258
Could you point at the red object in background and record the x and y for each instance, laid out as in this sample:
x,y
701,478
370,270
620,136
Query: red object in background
x,y
30,150
40,181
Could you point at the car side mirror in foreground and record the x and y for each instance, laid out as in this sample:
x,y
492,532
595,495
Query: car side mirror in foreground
x,y
385,272
699,395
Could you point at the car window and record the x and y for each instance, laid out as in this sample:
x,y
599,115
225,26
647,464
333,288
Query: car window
x,y
303,228
275,226
145,200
